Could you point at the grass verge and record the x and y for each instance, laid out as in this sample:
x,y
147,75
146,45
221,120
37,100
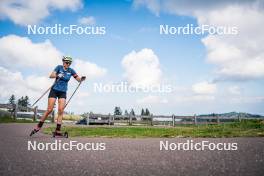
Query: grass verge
x,y
7,119
245,128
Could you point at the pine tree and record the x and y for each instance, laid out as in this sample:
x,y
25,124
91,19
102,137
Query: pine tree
x,y
142,112
132,112
147,113
126,113
20,101
23,101
12,99
117,111
26,101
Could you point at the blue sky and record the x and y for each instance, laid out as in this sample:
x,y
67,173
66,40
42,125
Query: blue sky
x,y
186,62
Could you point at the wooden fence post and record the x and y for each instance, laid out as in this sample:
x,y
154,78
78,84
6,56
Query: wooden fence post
x,y
53,114
109,119
217,118
15,110
88,119
173,120
195,119
35,116
239,117
151,120
130,119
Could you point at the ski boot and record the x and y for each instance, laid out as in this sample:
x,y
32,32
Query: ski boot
x,y
60,134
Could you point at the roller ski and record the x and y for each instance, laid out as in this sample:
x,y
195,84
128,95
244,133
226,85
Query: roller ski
x,y
60,134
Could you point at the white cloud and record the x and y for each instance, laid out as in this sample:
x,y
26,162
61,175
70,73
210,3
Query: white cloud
x,y
89,20
204,88
239,57
24,12
15,83
19,52
246,99
21,65
152,5
151,99
142,68
190,99
235,90
88,69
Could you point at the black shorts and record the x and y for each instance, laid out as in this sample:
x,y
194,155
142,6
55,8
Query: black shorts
x,y
57,94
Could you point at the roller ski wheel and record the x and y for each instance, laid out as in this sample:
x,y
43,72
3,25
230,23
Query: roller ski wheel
x,y
34,131
59,134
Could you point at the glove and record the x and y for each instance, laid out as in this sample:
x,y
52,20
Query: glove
x,y
83,78
60,75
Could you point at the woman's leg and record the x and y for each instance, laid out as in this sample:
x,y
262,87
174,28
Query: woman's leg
x,y
51,102
61,105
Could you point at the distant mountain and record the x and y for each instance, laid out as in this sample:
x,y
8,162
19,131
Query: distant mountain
x,y
234,114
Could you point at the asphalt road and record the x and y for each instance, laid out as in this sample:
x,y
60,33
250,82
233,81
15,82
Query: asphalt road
x,y
125,156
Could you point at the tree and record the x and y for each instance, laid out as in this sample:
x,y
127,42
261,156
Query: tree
x,y
147,113
24,101
117,111
132,112
126,113
20,101
142,112
12,99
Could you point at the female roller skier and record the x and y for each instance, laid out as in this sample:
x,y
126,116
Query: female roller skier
x,y
62,73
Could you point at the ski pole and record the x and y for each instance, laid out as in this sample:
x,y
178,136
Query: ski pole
x,y
72,94
44,93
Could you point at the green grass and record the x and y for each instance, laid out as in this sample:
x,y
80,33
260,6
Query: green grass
x,y
245,128
8,119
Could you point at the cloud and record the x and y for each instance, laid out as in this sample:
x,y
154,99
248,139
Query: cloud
x,y
24,12
236,57
15,83
204,88
88,69
246,99
41,56
142,68
152,100
89,20
20,52
235,90
22,62
152,5
190,99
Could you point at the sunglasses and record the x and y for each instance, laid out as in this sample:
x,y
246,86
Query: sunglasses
x,y
68,63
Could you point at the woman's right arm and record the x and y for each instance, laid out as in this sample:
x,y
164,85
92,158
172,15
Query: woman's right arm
x,y
53,75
